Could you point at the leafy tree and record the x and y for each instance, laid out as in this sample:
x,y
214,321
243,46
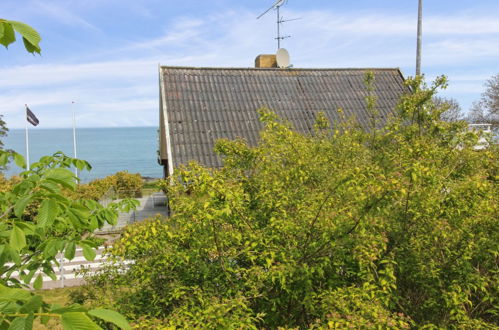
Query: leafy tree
x,y
486,110
453,112
391,228
31,38
3,130
30,242
3,133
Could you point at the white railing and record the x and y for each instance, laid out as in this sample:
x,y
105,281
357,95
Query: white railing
x,y
485,131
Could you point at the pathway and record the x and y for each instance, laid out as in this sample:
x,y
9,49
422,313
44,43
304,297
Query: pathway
x,y
149,207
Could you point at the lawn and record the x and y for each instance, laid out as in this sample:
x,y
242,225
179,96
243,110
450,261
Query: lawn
x,y
58,296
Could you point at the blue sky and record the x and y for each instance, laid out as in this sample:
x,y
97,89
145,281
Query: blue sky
x,y
104,54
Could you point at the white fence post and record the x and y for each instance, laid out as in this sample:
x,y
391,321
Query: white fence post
x,y
61,269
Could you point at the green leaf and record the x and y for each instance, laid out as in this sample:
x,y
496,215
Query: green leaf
x,y
19,160
88,252
73,219
33,305
47,213
50,249
21,205
8,307
413,176
49,186
63,176
38,282
14,255
81,164
111,316
69,252
44,319
19,323
13,294
17,239
28,228
27,279
29,321
50,273
30,47
4,156
78,321
72,308
31,38
8,36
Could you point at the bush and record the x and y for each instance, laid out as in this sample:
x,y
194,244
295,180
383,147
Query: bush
x,y
119,185
128,185
7,184
94,190
391,228
4,184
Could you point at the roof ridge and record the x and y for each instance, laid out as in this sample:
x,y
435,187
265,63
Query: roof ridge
x,y
275,69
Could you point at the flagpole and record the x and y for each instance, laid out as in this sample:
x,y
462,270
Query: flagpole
x,y
27,138
74,134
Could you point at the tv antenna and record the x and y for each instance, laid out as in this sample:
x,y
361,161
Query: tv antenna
x,y
277,5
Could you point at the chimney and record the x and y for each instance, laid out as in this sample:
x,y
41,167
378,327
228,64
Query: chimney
x,y
266,61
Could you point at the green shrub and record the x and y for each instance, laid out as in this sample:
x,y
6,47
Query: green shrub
x,y
119,185
94,190
128,185
4,183
7,184
391,228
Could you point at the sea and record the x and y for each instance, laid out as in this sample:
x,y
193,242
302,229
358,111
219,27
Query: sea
x,y
108,150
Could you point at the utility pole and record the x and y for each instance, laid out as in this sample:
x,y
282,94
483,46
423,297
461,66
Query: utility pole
x,y
420,32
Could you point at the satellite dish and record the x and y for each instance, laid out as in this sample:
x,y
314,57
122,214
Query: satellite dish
x,y
282,57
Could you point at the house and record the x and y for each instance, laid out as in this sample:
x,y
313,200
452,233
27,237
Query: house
x,y
200,105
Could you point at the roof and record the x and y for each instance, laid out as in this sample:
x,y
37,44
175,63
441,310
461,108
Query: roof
x,y
200,105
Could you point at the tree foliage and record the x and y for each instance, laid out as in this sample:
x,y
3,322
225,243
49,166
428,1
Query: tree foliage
x,y
391,228
31,38
453,112
486,110
3,132
31,240
37,222
119,185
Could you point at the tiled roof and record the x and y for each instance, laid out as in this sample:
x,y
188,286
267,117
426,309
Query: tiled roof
x,y
201,105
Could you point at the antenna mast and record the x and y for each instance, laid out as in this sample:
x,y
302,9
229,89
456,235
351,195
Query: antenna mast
x,y
277,5
420,28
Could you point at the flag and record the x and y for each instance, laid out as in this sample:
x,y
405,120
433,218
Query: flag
x,y
30,116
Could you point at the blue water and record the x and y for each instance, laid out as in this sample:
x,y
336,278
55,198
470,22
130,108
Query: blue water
x,y
108,150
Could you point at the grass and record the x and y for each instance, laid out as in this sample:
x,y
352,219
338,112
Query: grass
x,y
151,184
57,296
54,296
150,187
